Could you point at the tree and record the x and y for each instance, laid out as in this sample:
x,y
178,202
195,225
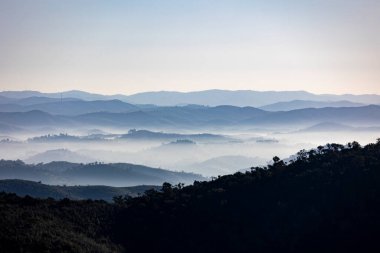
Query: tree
x,y
166,187
355,145
276,159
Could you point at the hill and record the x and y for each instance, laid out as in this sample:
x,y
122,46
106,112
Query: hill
x,y
222,165
113,174
327,127
134,134
72,107
59,155
302,104
40,100
66,94
31,118
240,97
190,117
95,192
326,200
364,115
205,97
336,127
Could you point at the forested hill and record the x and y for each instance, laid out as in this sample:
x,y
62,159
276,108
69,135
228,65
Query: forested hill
x,y
95,192
327,200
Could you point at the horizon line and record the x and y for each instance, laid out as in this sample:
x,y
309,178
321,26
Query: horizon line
x,y
184,92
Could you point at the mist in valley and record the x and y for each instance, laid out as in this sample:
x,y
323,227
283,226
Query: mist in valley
x,y
194,140
228,152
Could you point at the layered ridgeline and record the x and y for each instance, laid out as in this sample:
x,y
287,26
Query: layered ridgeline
x,y
133,134
206,97
95,192
192,117
325,200
191,110
112,174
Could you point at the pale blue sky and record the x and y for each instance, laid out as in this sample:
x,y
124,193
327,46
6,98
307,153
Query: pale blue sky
x,y
109,46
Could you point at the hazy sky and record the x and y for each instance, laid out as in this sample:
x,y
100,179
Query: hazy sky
x,y
110,46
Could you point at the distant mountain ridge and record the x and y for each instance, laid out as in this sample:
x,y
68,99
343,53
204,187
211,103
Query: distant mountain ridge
x,y
198,117
302,104
336,127
206,97
362,116
72,107
33,100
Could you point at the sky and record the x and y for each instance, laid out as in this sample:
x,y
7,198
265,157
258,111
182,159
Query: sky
x,y
127,46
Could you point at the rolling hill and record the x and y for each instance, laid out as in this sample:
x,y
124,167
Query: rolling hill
x,y
95,192
240,97
302,104
162,136
75,107
59,155
115,174
223,165
361,116
206,97
192,118
336,127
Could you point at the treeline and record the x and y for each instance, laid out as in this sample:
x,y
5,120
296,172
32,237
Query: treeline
x,y
325,200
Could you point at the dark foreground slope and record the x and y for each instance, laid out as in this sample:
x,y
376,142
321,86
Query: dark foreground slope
x,y
34,225
327,200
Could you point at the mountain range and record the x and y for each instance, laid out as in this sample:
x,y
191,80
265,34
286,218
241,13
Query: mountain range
x,y
336,127
188,110
71,107
198,117
206,97
301,104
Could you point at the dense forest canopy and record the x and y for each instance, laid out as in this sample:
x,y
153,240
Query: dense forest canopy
x,y
325,200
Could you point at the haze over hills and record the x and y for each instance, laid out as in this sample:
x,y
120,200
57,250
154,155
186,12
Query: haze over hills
x,y
185,117
83,127
189,126
301,104
336,127
33,100
222,165
327,127
72,107
150,135
206,97
115,174
361,116
58,95
241,97
59,155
